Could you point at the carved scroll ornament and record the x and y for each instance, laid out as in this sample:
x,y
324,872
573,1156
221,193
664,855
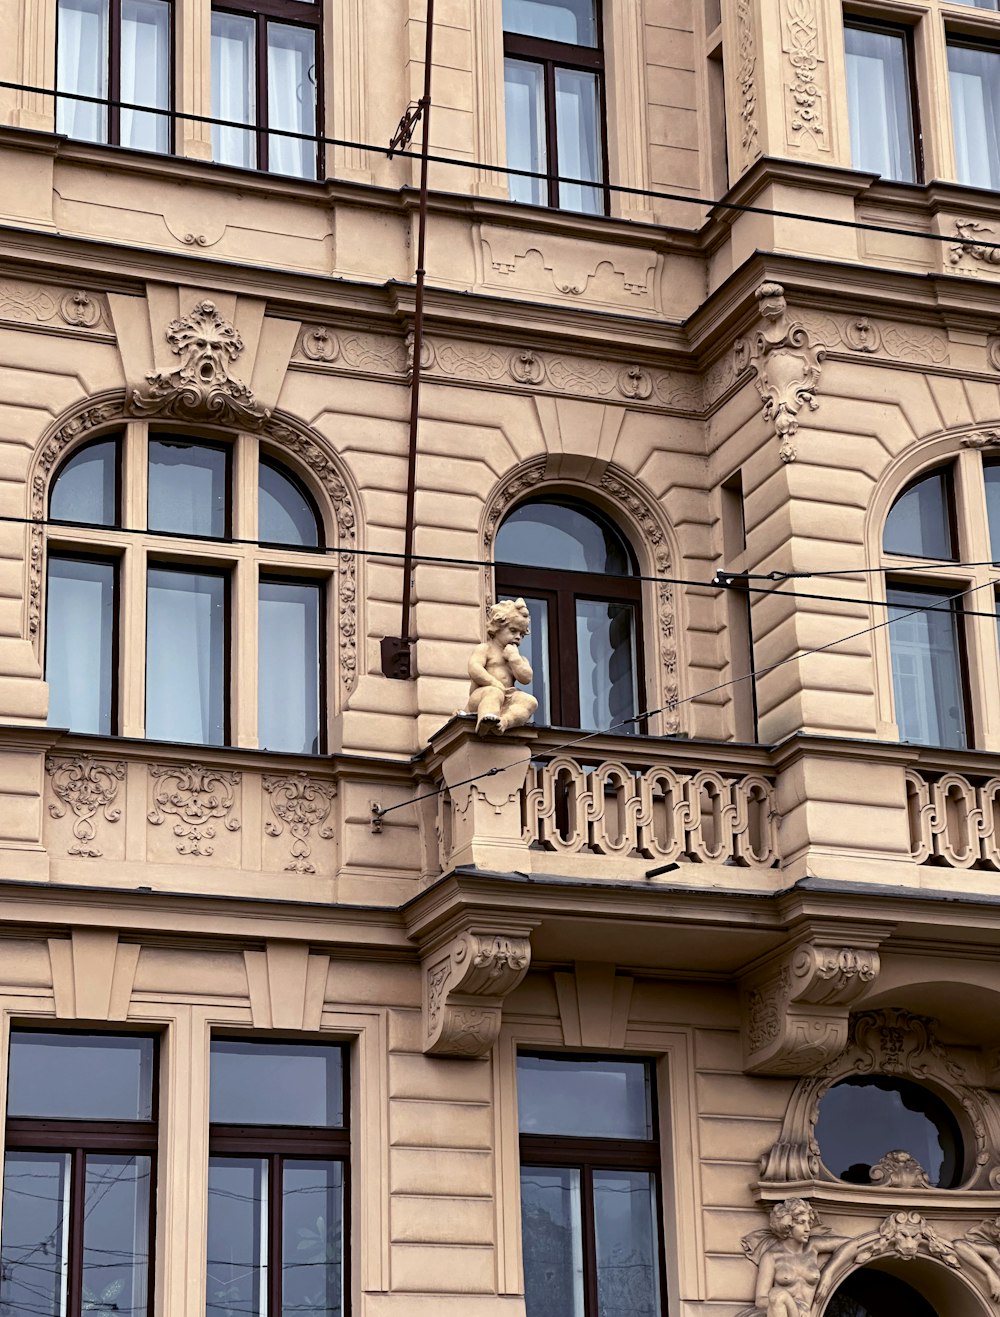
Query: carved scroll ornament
x,y
196,796
88,788
300,804
465,983
787,362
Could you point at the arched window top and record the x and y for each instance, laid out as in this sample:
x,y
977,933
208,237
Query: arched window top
x,y
863,1118
562,535
920,522
286,513
870,1293
86,487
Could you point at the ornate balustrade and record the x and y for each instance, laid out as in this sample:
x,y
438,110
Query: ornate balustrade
x,y
954,818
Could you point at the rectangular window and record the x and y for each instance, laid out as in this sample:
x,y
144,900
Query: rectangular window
x,y
974,81
266,74
554,102
186,656
78,1175
188,487
80,645
115,51
277,1178
289,666
590,1194
927,682
880,104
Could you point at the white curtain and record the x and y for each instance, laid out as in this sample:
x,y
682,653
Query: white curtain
x,y
524,105
234,97
145,75
291,99
78,655
288,667
579,139
82,66
185,657
974,122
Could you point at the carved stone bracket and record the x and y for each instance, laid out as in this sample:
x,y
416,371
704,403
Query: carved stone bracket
x,y
787,361
796,1007
465,978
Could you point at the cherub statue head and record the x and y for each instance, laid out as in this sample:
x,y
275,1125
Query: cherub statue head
x,y
793,1215
771,300
511,615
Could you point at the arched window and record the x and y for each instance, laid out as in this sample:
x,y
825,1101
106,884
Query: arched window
x,y
578,576
941,539
215,586
870,1293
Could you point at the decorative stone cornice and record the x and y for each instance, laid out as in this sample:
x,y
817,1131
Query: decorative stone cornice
x,y
796,1007
787,361
899,1170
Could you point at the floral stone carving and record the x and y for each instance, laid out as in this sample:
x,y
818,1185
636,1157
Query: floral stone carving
x,y
899,1170
791,1254
195,795
465,983
984,250
301,804
495,668
87,788
201,387
788,364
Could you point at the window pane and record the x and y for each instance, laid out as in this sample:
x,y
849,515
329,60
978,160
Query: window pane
x,y
185,657
81,1076
291,98
926,678
535,648
234,84
974,79
977,4
588,1098
85,488
524,107
878,92
237,1237
551,1242
146,73
578,118
919,522
257,1083
79,644
563,537
35,1234
288,667
628,1272
82,66
116,1234
312,1270
605,641
572,21
187,487
285,514
991,472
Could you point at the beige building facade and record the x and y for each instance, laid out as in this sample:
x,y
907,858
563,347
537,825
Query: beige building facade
x,y
681,999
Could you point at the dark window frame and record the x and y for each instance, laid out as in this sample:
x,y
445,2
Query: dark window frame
x,y
914,585
294,13
116,437
264,458
158,435
321,584
69,553
77,1138
904,30
571,1152
551,55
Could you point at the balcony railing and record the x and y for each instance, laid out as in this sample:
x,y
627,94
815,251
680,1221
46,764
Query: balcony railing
x,y
954,818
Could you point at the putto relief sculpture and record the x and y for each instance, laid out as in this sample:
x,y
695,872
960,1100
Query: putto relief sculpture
x,y
496,668
791,1254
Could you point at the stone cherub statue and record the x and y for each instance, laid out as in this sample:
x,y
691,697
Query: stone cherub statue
x,y
791,1255
495,668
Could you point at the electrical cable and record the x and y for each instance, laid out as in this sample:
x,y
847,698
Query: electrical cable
x,y
379,812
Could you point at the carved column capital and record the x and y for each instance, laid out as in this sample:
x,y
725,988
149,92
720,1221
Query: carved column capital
x,y
796,1006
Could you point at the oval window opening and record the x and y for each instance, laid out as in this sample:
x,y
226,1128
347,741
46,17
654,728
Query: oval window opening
x,y
863,1119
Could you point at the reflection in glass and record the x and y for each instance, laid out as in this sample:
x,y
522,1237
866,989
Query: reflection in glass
x,y
605,650
285,514
974,81
288,667
35,1234
79,643
586,1097
628,1283
256,1083
551,1242
535,648
185,656
312,1198
145,73
878,95
234,83
85,490
862,1119
237,1237
919,522
116,1234
925,668
524,107
291,99
187,487
563,537
82,66
578,135
80,1076
991,473
571,21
